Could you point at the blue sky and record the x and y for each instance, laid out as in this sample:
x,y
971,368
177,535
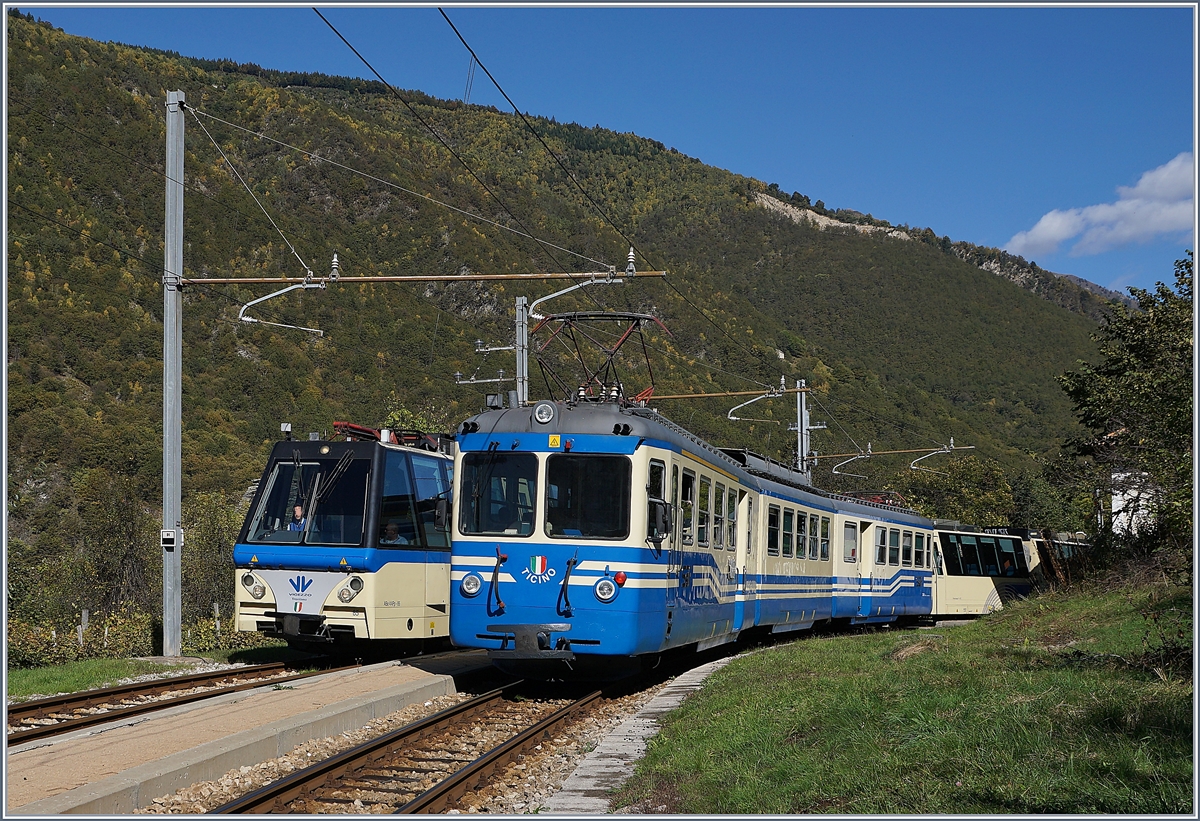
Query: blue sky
x,y
1063,134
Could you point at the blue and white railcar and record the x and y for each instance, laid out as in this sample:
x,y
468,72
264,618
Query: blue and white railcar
x,y
342,543
596,535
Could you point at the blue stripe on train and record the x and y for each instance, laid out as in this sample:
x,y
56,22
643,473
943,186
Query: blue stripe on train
x,y
347,559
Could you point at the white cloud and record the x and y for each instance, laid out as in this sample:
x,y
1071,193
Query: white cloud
x,y
1160,203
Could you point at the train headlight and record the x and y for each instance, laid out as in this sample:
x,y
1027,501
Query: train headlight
x,y
471,585
351,589
248,580
258,591
605,589
543,412
253,586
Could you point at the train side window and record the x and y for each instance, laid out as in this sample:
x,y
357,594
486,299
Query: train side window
x,y
850,542
750,526
987,555
950,555
813,539
731,517
970,556
894,547
789,517
824,538
688,505
432,485
881,545
655,479
705,506
719,515
1010,551
801,538
906,547
919,551
773,530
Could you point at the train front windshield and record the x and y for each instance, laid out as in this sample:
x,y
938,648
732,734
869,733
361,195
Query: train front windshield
x,y
314,502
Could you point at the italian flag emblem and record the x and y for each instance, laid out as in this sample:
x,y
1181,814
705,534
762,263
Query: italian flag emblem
x,y
537,565
299,606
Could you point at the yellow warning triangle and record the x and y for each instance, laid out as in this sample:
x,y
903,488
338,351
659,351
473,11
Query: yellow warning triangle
x,y
253,559
343,561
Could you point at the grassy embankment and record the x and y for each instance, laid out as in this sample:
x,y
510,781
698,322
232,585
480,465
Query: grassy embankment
x,y
92,673
1059,704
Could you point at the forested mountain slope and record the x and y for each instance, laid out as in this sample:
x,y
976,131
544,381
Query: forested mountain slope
x,y
908,344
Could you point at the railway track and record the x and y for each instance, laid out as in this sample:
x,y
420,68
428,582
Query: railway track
x,y
425,766
47,717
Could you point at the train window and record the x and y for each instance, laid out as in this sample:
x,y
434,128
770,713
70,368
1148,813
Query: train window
x,y
919,551
881,545
433,485
688,505
704,507
719,515
654,484
987,555
497,492
824,538
894,547
906,548
850,542
731,517
337,514
1012,558
587,496
801,539
970,556
950,555
397,507
773,530
789,517
813,541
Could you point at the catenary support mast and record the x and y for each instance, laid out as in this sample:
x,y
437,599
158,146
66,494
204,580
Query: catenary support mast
x,y
172,533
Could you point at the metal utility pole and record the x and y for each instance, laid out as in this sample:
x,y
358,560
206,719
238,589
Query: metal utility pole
x,y
522,352
171,535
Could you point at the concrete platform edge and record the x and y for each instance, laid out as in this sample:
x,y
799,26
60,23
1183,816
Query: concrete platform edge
x,y
136,787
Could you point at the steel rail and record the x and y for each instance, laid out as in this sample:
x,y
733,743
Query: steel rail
x,y
67,725
442,795
276,795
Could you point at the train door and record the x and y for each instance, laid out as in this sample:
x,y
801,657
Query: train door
x,y
849,573
741,507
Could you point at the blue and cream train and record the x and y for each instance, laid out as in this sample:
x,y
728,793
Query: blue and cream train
x,y
345,541
595,535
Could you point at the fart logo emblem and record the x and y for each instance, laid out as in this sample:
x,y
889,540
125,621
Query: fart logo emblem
x,y
300,584
538,571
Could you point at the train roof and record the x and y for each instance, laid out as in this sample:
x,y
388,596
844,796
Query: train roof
x,y
754,470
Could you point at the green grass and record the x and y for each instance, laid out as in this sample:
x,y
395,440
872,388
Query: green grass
x,y
1045,707
77,675
92,673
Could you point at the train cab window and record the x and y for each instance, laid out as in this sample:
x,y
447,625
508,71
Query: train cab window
x,y
331,495
687,506
433,483
587,496
824,538
675,503
881,545
850,542
813,538
773,530
894,547
731,517
919,551
906,548
719,515
397,507
655,479
704,507
497,494
789,517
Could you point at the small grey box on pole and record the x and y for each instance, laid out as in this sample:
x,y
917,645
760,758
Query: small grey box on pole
x,y
171,536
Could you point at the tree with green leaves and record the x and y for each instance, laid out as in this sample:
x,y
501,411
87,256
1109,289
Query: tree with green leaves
x,y
1138,406
972,490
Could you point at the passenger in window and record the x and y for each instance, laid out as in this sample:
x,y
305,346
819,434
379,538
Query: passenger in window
x,y
299,520
1008,569
391,534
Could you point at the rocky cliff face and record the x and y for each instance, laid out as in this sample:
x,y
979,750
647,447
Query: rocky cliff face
x,y
1067,291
